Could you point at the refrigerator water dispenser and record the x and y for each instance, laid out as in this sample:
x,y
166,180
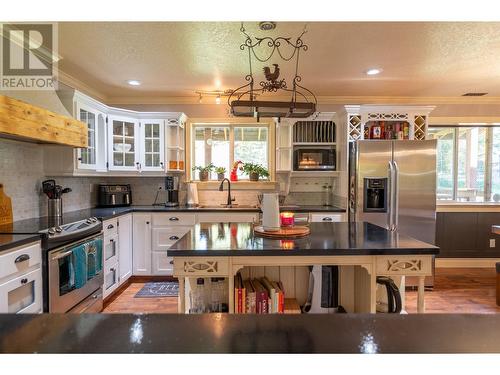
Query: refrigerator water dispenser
x,y
375,194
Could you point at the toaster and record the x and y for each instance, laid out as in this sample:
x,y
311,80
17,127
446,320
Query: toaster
x,y
114,195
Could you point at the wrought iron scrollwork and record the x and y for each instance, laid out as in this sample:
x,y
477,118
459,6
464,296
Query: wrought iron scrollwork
x,y
273,82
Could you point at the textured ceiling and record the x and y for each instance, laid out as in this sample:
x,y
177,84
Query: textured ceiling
x,y
175,59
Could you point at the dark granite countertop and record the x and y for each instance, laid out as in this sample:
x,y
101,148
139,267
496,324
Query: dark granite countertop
x,y
224,333
237,239
9,241
34,225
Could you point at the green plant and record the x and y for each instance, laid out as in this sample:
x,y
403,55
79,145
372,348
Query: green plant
x,y
255,168
207,168
220,170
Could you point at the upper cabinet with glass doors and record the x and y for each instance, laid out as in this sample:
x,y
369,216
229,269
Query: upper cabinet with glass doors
x,y
123,144
152,145
92,114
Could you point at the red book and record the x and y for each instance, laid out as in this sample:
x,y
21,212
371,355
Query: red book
x,y
261,296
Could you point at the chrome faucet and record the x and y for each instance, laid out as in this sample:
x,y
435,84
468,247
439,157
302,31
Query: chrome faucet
x,y
230,200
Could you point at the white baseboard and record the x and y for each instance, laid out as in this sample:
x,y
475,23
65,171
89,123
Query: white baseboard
x,y
466,262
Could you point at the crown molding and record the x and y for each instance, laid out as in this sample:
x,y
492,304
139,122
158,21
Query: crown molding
x,y
334,100
488,120
81,86
325,99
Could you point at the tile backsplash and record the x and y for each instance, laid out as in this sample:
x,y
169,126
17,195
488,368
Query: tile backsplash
x,y
21,172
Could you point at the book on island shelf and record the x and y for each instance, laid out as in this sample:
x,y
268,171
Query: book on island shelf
x,y
262,296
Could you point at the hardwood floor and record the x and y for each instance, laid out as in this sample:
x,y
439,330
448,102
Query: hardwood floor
x,y
459,290
456,290
125,303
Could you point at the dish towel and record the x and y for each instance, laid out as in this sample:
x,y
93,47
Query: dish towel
x,y
94,258
80,265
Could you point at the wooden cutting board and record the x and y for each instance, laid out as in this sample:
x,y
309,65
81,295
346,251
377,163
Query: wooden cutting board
x,y
5,208
284,232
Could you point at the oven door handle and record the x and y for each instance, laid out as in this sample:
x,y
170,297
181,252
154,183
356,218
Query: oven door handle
x,y
62,255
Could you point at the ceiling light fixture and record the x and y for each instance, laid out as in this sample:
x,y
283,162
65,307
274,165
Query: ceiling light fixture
x,y
373,71
267,25
219,94
134,82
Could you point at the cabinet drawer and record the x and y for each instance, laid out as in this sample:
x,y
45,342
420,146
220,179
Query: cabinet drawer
x,y
110,227
227,217
174,218
111,246
327,217
201,266
20,259
164,237
404,265
22,294
111,279
162,265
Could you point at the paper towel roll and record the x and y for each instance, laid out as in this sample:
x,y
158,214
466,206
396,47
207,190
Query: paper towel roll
x,y
192,194
270,212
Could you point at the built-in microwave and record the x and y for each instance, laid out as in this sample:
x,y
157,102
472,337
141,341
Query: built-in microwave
x,y
314,158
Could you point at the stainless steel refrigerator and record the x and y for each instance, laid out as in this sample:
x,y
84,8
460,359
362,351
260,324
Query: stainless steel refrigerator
x,y
393,184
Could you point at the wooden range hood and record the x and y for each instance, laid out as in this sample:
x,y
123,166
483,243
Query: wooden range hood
x,y
26,122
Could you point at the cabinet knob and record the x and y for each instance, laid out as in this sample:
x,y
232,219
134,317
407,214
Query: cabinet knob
x,y
173,238
24,281
111,240
111,226
327,219
171,262
173,218
22,258
147,222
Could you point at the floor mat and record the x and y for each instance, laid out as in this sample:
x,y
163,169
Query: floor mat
x,y
159,289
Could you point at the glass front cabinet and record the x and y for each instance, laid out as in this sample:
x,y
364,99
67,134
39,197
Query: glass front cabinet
x,y
124,144
93,115
120,140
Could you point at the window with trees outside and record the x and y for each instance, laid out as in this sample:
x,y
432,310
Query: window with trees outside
x,y
223,144
468,163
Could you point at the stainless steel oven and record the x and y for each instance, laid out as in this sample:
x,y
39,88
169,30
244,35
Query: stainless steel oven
x,y
314,158
75,273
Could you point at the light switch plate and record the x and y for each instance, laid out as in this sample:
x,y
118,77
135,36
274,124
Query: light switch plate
x,y
492,242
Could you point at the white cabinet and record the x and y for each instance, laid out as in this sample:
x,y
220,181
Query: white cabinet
x,y
227,217
152,144
284,146
94,156
175,136
161,264
21,280
125,247
111,281
142,243
328,217
123,144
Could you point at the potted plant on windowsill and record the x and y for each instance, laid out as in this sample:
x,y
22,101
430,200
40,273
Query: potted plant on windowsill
x,y
221,171
204,172
255,171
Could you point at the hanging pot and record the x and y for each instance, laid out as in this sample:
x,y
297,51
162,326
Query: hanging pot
x,y
254,176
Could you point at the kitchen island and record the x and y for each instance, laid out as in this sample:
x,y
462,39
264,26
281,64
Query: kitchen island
x,y
367,250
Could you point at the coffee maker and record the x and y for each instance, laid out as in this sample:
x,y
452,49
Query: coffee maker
x,y
172,190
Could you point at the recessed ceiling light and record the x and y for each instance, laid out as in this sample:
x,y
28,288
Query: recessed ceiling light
x,y
133,82
373,71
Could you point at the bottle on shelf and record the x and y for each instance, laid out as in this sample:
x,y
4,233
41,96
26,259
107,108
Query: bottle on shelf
x,y
215,295
197,295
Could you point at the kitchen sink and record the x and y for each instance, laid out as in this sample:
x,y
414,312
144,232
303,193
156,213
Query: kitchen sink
x,y
227,206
